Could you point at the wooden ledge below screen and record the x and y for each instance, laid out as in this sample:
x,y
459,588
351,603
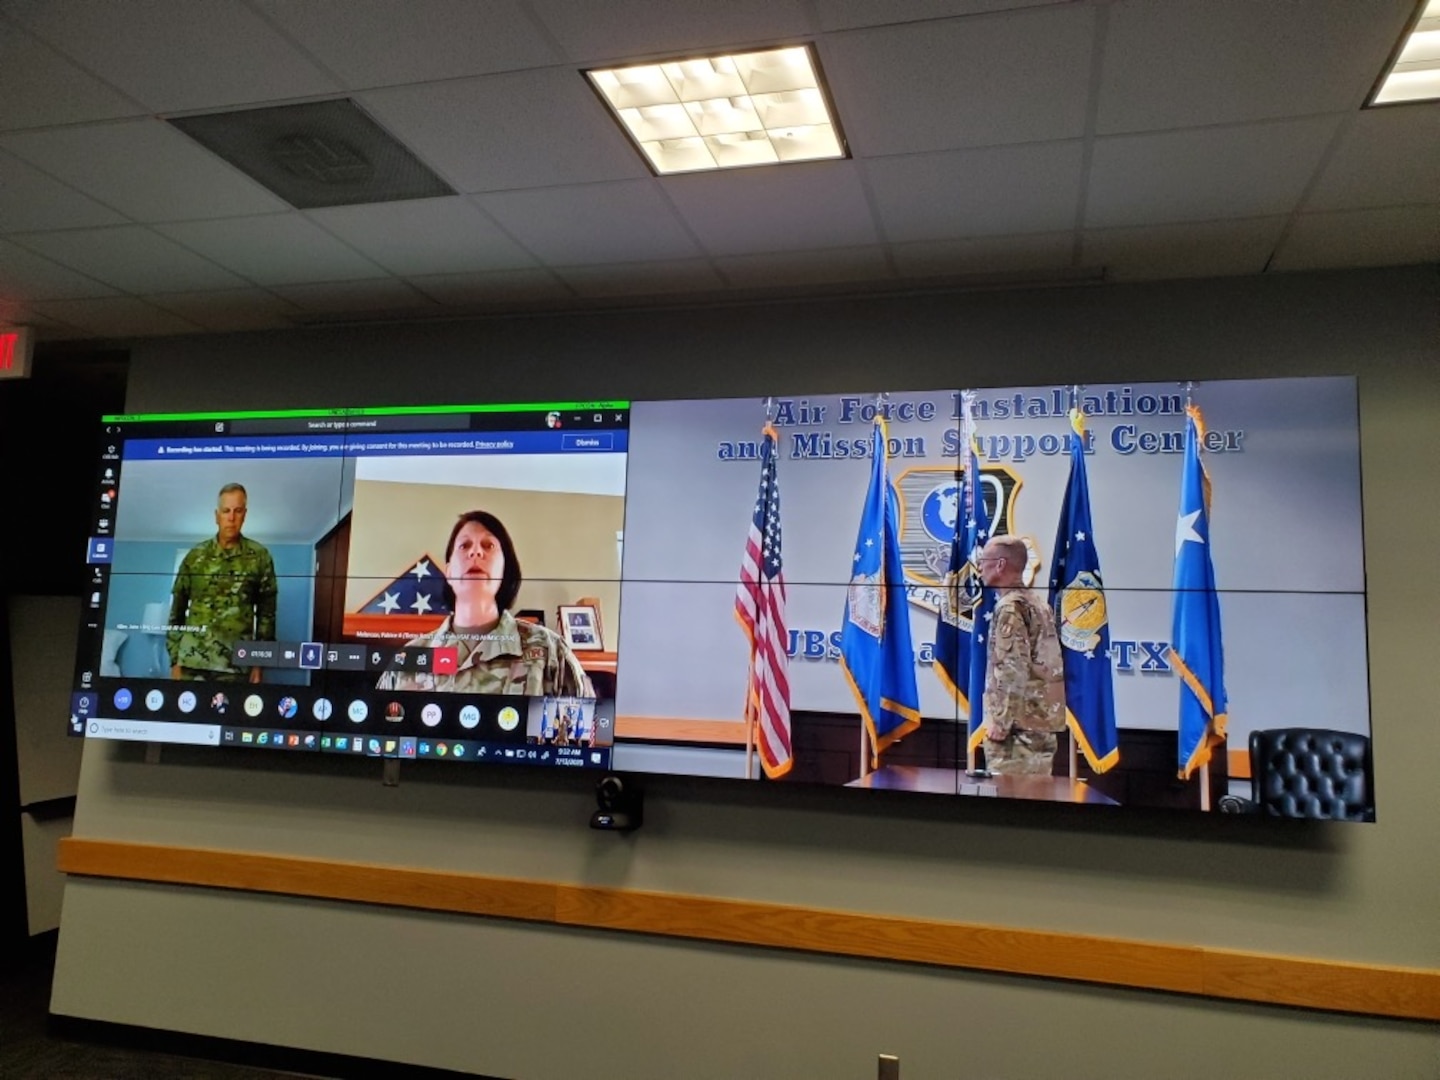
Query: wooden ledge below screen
x,y
1407,993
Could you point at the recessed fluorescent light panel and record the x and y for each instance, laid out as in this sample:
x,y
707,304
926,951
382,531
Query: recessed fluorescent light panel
x,y
1415,75
724,112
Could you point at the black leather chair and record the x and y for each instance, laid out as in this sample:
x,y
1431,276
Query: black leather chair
x,y
1308,773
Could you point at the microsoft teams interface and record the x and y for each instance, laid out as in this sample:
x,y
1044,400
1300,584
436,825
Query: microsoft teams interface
x,y
738,587
364,582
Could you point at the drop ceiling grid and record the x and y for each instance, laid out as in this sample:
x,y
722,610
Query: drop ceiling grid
x,y
1182,179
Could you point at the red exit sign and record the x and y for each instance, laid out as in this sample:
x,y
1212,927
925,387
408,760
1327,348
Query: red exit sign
x,y
15,351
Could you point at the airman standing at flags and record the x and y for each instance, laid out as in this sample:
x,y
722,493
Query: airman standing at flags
x,y
1024,677
225,592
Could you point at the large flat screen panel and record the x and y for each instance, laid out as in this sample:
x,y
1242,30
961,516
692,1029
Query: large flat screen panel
x,y
638,530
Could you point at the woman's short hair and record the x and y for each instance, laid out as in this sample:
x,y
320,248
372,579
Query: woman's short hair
x,y
510,579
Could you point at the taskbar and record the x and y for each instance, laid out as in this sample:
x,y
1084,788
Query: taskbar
x,y
411,747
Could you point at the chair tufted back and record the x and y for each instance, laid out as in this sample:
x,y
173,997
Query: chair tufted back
x,y
1312,773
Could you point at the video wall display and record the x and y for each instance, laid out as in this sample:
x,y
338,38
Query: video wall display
x,y
1084,594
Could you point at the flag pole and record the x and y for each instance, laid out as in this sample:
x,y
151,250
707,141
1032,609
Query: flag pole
x,y
1074,750
751,717
1204,772
867,747
1189,388
972,492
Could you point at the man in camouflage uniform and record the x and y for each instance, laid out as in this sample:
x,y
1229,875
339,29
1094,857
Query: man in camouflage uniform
x,y
1024,676
516,657
224,593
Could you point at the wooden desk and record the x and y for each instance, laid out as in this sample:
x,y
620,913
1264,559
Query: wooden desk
x,y
595,660
953,782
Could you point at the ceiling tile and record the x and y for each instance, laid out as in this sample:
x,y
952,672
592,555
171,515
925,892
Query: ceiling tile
x,y
38,86
551,127
1188,62
31,201
643,279
14,313
1000,191
383,42
229,310
1198,249
1385,157
786,269
598,223
277,249
849,14
26,276
775,208
131,258
424,236
1249,171
143,168
634,29
156,53
499,287
117,316
359,298
988,255
965,82
1387,237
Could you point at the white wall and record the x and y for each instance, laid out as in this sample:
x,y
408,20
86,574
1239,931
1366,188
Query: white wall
x,y
525,1001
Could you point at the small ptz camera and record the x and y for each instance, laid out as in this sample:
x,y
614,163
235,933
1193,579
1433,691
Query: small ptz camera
x,y
620,807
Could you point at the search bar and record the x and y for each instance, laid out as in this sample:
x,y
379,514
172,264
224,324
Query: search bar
x,y
160,731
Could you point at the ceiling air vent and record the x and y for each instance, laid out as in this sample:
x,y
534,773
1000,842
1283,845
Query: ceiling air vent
x,y
322,153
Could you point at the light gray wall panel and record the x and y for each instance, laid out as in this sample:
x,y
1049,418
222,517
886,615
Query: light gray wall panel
x,y
42,656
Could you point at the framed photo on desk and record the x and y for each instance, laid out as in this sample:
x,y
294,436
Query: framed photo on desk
x,y
580,626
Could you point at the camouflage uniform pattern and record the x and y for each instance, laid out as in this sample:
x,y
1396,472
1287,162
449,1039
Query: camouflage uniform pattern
x,y
1024,685
514,658
226,595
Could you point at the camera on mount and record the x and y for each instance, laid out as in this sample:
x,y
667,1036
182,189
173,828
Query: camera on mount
x,y
621,806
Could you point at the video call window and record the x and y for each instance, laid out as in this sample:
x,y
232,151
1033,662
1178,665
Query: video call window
x,y
254,551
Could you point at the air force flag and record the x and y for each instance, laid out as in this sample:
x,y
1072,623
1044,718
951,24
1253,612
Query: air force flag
x,y
1078,597
965,608
875,649
1196,651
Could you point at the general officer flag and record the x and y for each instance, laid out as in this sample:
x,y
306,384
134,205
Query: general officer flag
x,y
1077,595
875,650
966,604
1196,650
760,607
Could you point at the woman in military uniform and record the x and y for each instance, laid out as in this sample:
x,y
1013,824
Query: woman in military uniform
x,y
498,654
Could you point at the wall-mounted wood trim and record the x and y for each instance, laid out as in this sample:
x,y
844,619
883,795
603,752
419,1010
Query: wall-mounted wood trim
x,y
1407,993
680,729
1238,762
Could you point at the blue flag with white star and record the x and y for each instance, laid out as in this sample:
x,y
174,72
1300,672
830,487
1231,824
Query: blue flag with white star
x,y
875,650
964,617
1196,648
1077,595
420,590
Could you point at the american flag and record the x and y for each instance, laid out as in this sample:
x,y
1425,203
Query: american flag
x,y
418,591
760,607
